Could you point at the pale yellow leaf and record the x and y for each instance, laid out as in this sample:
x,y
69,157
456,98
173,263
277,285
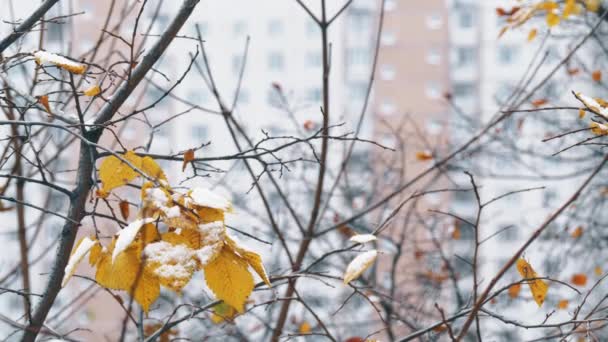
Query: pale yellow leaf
x,y
538,287
227,276
93,91
83,246
359,264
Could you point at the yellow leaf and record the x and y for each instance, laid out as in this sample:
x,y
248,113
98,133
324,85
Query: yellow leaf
x,y
569,8
222,312
305,328
253,259
359,264
538,287
227,276
581,113
128,273
188,237
552,19
94,254
94,90
114,173
593,5
562,304
532,35
149,233
598,128
598,271
188,157
547,5
208,215
456,234
514,290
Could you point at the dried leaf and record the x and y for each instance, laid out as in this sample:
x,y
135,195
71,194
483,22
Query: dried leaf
x,y
539,102
514,290
188,157
538,287
424,156
579,279
562,304
581,113
578,232
359,264
124,209
227,276
44,101
596,75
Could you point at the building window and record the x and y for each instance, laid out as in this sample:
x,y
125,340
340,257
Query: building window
x,y
388,38
433,126
463,89
243,96
357,56
313,95
387,107
358,90
236,64
239,27
465,18
507,55
465,56
434,21
275,61
359,21
312,28
274,98
433,56
387,72
390,5
432,90
199,131
314,59
275,27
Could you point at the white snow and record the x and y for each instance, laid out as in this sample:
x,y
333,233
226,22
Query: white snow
x,y
47,57
175,260
171,212
212,232
206,198
362,238
84,247
206,253
157,196
127,235
591,103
